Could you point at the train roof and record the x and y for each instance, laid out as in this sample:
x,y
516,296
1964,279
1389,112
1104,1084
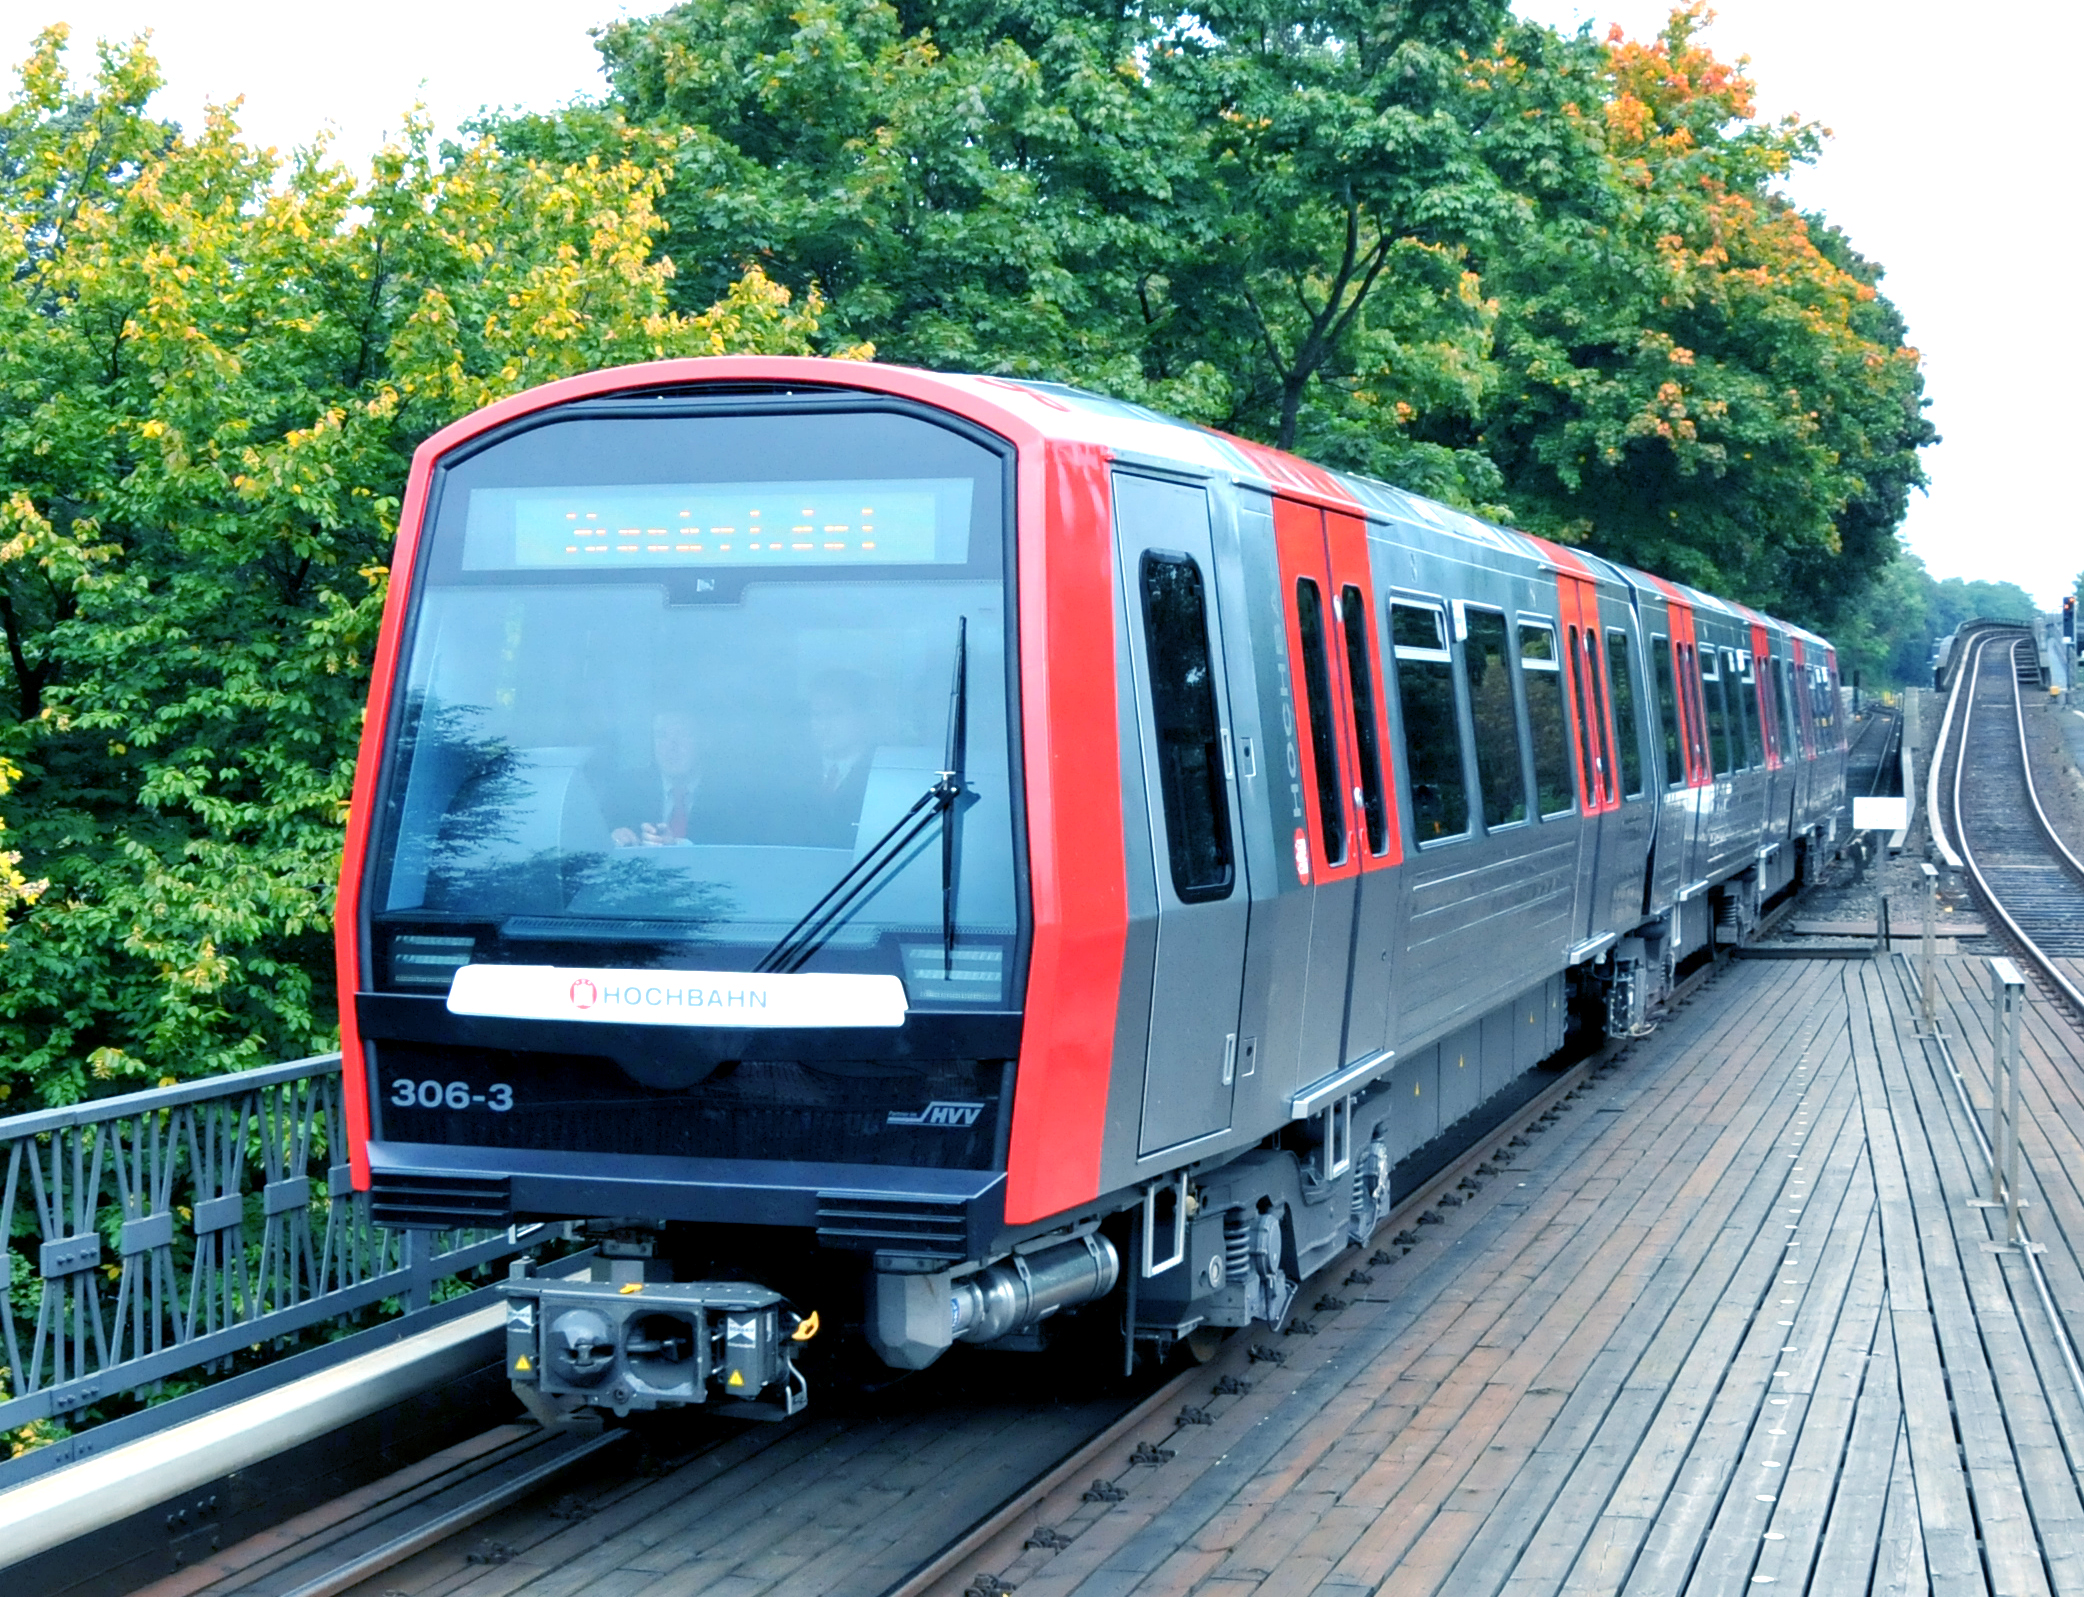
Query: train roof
x,y
1057,411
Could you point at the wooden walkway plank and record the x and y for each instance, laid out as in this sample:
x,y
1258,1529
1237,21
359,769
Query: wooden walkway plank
x,y
1953,1563
1837,1541
1716,1469
1798,1449
2005,1403
1899,1566
1557,1268
1693,1367
1579,1476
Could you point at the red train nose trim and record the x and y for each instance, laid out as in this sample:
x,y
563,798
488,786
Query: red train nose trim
x,y
1078,879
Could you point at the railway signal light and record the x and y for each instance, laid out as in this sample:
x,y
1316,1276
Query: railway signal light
x,y
2069,617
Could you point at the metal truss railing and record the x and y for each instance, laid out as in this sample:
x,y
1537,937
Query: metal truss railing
x,y
161,1232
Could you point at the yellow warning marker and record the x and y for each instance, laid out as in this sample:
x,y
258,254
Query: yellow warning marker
x,y
632,1286
737,1379
807,1330
522,1366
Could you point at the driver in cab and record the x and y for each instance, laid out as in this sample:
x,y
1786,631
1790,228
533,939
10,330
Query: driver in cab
x,y
673,802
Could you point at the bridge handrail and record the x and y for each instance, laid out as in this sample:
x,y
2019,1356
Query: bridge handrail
x,y
226,1205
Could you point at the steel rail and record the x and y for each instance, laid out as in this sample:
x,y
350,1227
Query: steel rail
x,y
2032,791
1934,817
447,1523
2042,962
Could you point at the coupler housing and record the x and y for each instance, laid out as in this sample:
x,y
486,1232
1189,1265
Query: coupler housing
x,y
635,1344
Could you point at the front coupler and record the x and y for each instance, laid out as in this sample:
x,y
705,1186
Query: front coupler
x,y
635,1344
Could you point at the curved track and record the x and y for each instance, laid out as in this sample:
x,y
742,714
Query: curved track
x,y
2022,871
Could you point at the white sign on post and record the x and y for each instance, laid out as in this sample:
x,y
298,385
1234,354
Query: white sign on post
x,y
1880,814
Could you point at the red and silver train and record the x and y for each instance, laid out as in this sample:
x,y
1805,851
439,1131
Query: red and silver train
x,y
913,853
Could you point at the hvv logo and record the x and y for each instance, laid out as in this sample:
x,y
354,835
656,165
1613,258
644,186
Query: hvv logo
x,y
957,1115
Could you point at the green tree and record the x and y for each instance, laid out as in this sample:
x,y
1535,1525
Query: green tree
x,y
1697,379
214,367
1541,274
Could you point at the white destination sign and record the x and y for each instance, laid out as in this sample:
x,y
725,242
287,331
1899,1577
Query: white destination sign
x,y
676,997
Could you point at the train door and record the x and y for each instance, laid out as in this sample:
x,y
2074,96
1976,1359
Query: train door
x,y
1183,715
1335,836
1686,777
1592,718
1794,750
1625,830
1779,770
1370,781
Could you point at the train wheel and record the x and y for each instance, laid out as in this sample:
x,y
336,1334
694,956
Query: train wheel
x,y
1205,1343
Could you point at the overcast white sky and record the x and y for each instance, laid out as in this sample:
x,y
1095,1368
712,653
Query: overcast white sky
x,y
1949,165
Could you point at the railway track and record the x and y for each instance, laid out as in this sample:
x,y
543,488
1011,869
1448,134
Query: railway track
x,y
2028,880
496,1497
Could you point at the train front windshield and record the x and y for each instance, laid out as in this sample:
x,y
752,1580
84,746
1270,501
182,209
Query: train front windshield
x,y
670,678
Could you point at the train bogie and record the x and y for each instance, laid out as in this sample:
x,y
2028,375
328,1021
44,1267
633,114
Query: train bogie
x,y
966,850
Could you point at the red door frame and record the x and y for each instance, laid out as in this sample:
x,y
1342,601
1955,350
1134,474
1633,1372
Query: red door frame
x,y
1346,548
1768,711
1299,548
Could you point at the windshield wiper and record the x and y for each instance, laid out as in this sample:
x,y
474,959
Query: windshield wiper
x,y
952,775
808,935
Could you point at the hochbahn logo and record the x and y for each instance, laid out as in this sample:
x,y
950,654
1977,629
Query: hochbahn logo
x,y
937,1113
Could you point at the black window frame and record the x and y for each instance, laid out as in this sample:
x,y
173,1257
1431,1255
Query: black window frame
x,y
1628,745
1438,655
1173,796
1351,610
1508,659
1549,665
1320,706
1717,706
1671,717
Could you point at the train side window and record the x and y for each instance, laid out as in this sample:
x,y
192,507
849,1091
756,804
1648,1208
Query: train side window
x,y
1602,713
1790,716
1770,707
1360,677
1736,676
1189,731
1826,706
1499,773
1595,657
1188,728
1548,715
1691,685
1621,677
1668,712
1718,712
1324,742
1587,710
1432,730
